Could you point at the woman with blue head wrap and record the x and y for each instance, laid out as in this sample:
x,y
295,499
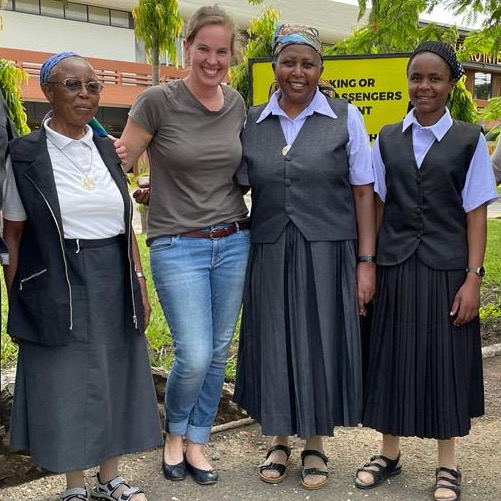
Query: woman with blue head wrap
x,y
77,297
307,161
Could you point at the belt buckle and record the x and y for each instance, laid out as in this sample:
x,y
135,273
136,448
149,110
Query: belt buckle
x,y
212,233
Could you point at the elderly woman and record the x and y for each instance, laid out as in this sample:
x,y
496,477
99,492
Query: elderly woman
x,y
311,268
77,296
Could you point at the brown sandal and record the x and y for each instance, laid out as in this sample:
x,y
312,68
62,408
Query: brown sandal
x,y
314,471
281,468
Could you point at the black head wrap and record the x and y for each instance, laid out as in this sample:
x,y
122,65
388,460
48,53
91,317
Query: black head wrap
x,y
445,51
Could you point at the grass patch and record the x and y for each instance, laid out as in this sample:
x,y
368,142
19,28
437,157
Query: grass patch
x,y
160,342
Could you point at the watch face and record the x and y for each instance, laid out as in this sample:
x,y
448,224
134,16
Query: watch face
x,y
481,271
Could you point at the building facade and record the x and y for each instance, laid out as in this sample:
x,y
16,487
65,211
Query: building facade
x,y
102,31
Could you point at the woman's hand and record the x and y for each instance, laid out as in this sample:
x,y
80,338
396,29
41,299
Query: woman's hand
x,y
366,285
467,301
142,196
145,300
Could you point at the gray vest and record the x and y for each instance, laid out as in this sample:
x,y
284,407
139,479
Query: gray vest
x,y
423,211
308,185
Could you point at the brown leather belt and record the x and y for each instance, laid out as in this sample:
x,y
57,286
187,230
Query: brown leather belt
x,y
220,232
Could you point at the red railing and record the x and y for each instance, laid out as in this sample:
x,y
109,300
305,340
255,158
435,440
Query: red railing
x,y
123,80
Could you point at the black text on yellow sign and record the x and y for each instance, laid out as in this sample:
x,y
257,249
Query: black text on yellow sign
x,y
377,85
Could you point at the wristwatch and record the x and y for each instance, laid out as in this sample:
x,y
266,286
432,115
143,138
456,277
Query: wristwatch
x,y
366,259
480,271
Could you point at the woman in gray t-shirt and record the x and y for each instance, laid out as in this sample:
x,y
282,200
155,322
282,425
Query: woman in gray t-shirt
x,y
197,230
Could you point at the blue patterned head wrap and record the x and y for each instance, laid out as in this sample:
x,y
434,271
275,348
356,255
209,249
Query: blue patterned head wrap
x,y
51,62
289,34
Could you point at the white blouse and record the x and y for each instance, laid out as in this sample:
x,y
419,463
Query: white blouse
x,y
90,201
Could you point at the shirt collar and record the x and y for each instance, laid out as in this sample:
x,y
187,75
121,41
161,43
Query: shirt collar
x,y
318,104
438,129
61,141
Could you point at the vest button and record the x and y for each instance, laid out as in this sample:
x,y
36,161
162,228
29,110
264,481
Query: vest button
x,y
288,182
289,209
418,210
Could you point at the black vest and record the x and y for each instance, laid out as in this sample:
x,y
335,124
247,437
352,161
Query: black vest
x,y
308,184
423,211
42,313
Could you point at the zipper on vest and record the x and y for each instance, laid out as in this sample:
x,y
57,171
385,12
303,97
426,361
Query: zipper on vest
x,y
131,265
61,245
34,275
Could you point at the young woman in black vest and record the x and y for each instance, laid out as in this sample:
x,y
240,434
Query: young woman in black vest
x,y
308,162
434,182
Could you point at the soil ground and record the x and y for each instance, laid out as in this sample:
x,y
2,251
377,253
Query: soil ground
x,y
237,453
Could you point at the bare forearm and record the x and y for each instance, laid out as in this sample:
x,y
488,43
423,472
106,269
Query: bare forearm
x,y
366,219
476,222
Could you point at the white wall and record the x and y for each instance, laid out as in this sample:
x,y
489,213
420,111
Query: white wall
x,y
46,34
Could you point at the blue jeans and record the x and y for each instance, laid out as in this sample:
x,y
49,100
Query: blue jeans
x,y
199,283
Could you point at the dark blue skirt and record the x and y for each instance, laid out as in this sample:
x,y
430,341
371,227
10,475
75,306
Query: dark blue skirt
x,y
424,375
299,359
78,405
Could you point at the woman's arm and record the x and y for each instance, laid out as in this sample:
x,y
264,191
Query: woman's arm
x,y
12,232
496,161
366,225
467,300
132,143
142,280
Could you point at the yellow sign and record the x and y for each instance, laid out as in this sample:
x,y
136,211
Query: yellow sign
x,y
377,85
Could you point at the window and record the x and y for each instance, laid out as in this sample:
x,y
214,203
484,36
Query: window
x,y
483,86
53,8
120,18
98,15
76,11
30,6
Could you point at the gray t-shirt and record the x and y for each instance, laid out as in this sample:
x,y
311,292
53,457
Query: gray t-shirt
x,y
194,155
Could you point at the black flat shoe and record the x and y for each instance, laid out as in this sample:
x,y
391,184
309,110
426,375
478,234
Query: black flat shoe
x,y
174,472
202,477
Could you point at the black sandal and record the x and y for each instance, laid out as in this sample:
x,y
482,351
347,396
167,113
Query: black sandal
x,y
444,482
281,468
314,471
380,474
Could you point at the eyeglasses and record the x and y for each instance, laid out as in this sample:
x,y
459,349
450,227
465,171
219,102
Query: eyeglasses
x,y
74,85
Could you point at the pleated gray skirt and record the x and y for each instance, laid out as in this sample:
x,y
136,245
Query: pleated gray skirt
x,y
299,358
424,375
78,405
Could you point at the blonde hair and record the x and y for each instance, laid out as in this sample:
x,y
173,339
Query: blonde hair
x,y
209,15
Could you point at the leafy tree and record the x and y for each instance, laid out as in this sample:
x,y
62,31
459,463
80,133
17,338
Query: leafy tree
x,y
394,26
157,24
11,79
260,33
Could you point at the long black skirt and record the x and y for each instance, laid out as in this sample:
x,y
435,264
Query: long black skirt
x,y
78,405
299,359
424,375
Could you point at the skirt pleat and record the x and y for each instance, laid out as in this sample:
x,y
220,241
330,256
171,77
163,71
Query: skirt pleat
x,y
299,360
424,375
